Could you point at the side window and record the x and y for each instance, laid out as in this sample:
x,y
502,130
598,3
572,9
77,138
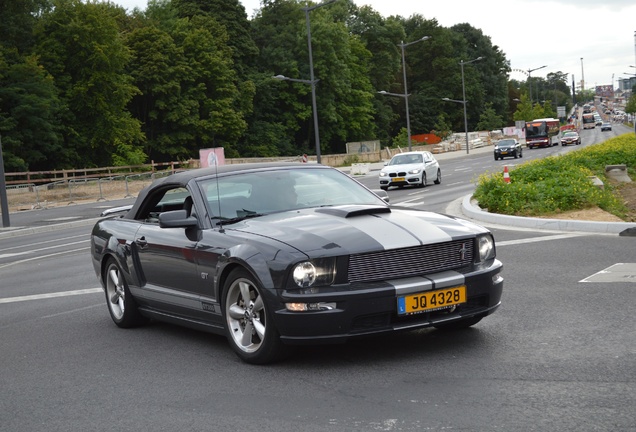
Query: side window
x,y
176,198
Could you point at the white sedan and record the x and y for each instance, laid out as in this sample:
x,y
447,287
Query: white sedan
x,y
412,168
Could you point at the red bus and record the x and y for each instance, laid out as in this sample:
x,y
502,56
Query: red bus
x,y
589,122
539,132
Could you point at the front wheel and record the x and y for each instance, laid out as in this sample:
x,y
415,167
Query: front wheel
x,y
121,305
249,326
438,180
384,188
423,180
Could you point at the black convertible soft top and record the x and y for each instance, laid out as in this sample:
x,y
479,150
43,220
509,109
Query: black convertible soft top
x,y
182,178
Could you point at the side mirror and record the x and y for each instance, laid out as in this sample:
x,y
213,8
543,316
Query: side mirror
x,y
176,219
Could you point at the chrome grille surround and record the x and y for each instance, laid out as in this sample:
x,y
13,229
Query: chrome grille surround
x,y
413,261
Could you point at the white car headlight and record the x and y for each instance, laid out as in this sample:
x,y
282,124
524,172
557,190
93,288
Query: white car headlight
x,y
316,272
415,171
383,174
486,245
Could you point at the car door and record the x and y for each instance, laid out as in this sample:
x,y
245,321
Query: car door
x,y
430,166
166,259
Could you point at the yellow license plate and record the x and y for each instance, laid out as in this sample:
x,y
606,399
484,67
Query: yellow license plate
x,y
504,152
431,300
398,179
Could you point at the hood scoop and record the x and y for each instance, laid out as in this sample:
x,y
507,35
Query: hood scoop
x,y
353,210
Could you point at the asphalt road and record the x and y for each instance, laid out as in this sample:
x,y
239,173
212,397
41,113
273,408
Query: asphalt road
x,y
559,355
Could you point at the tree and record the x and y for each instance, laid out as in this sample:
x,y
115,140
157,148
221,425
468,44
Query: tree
x,y
526,111
30,112
489,120
81,47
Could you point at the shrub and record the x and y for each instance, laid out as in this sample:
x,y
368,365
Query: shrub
x,y
559,183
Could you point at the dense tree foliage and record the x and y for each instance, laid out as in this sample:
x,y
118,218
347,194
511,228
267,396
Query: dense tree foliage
x,y
83,83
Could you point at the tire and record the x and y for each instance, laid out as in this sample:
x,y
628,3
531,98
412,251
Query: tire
x,y
248,324
516,155
520,153
122,306
496,158
384,188
460,324
438,180
423,180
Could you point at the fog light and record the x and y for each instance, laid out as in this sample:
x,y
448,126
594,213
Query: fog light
x,y
309,307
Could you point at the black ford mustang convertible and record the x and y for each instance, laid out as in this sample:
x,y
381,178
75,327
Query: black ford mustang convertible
x,y
276,255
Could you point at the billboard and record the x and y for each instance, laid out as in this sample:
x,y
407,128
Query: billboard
x,y
605,91
211,156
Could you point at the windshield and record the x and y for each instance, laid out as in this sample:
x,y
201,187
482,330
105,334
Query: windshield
x,y
405,159
536,129
248,194
506,142
570,134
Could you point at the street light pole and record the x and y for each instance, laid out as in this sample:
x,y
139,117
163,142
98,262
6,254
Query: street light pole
x,y
406,95
582,77
463,101
530,80
308,9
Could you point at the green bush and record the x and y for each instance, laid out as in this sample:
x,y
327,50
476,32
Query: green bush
x,y
559,183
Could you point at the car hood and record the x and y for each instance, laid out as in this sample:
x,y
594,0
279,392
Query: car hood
x,y
342,230
401,167
505,146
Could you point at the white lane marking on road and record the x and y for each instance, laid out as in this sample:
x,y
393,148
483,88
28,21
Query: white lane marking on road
x,y
32,251
40,243
536,239
50,295
42,257
410,203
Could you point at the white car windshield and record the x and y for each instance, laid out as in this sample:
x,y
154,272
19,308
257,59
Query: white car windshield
x,y
406,159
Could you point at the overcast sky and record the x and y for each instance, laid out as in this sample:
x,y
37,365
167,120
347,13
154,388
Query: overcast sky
x,y
531,33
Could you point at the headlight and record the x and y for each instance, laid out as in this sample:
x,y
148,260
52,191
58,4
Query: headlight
x,y
315,272
383,174
415,171
486,245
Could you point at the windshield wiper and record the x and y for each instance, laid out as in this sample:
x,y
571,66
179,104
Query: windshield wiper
x,y
248,215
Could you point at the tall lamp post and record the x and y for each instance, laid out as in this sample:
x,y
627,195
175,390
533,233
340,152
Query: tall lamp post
x,y
463,101
530,80
312,79
406,94
582,77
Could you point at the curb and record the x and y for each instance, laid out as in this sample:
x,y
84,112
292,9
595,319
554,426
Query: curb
x,y
475,212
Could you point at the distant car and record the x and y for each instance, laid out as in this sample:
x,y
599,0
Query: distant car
x,y
509,147
416,168
599,121
570,137
606,126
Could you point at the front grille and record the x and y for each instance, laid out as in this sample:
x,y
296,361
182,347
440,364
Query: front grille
x,y
413,261
400,174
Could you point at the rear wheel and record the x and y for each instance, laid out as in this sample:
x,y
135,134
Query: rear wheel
x,y
249,326
121,305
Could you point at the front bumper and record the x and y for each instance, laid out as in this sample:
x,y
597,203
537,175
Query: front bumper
x,y
373,308
409,179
